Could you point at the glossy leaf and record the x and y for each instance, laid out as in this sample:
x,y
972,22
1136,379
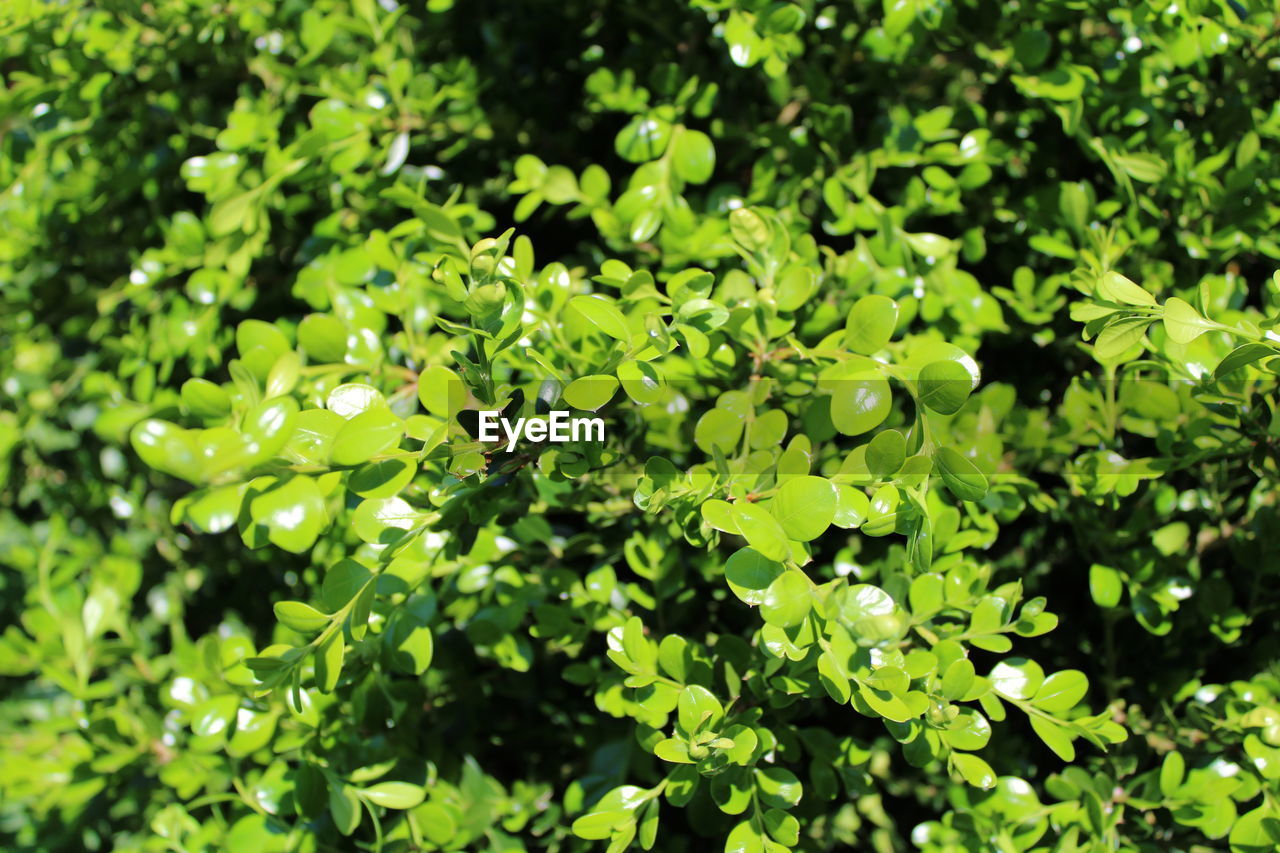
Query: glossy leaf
x,y
944,386
870,324
603,315
805,507
787,601
860,405
961,477
694,156
393,795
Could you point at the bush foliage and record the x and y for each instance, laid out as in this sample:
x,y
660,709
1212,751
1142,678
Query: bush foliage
x,y
935,341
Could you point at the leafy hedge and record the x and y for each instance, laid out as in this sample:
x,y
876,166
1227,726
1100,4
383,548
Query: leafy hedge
x,y
935,344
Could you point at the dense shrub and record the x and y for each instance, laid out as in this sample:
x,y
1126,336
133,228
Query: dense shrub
x,y
934,344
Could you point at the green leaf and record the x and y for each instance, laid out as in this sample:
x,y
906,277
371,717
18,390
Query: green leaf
x,y
690,284
762,530
352,398
1183,323
973,770
441,392
600,825
749,574
783,18
254,730
1256,831
204,399
382,479
998,643
778,787
559,186
784,828
958,680
329,658
795,287
300,617
368,434
168,448
284,374
745,838
641,381
342,582
694,156
268,428
344,808
698,710
1057,738
852,507
732,791
888,450
961,477
929,245
834,677
439,825
644,138
648,824
230,215
944,386
409,637
1105,585
215,510
323,338
870,324
673,750
859,405
313,434
721,515
1120,336
394,795
788,600
385,520
926,594
745,744
886,704
749,229
1147,168
969,731
1241,356
1172,773
1017,678
1114,287
988,615
1061,691
645,225
1266,759
705,314
717,428
590,393
891,679
804,507
866,609
602,313
292,511
261,336
214,716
